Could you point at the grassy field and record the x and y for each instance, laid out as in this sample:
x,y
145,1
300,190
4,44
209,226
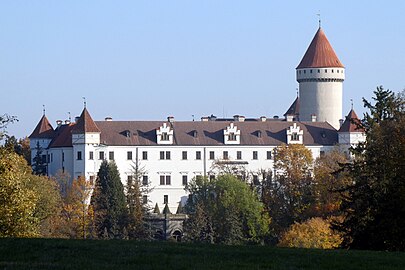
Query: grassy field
x,y
114,254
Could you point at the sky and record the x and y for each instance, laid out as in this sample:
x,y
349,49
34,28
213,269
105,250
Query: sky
x,y
147,60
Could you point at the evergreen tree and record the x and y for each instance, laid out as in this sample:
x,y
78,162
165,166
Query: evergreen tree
x,y
136,188
375,205
109,203
39,166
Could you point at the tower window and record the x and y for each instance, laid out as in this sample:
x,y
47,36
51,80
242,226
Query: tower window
x,y
79,155
326,71
299,71
332,70
231,137
310,71
295,136
91,155
337,71
319,71
305,71
164,136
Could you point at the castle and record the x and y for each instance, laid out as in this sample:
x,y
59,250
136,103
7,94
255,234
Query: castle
x,y
172,152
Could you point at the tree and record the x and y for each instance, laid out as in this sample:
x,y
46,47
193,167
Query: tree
x,y
5,119
374,207
313,233
328,180
288,195
39,166
18,202
28,202
224,210
109,203
76,208
136,188
21,147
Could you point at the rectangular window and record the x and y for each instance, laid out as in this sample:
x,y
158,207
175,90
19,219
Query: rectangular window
x,y
184,180
91,179
322,153
144,155
79,155
225,155
184,155
63,157
254,154
295,136
145,181
168,180
198,155
43,157
129,155
91,155
164,136
212,155
111,155
162,154
162,180
51,157
144,199
165,199
101,155
232,137
239,155
167,154
268,153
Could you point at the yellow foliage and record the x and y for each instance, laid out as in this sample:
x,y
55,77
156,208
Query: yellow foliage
x,y
313,233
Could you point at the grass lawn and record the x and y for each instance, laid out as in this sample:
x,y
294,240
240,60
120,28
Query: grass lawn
x,y
115,254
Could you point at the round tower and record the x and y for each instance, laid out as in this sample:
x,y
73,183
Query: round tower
x,y
320,75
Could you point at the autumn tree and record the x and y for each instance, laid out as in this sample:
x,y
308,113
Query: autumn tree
x,y
224,210
5,120
75,210
289,192
374,207
109,203
39,165
312,233
329,179
21,147
28,202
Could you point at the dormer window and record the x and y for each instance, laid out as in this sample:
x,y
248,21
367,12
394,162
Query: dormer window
x,y
295,135
164,134
232,135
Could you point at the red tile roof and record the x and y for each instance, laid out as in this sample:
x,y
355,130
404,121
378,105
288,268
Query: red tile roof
x,y
351,123
320,53
43,130
85,123
63,136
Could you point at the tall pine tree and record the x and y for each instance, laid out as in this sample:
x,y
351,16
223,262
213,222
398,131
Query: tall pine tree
x,y
375,205
109,203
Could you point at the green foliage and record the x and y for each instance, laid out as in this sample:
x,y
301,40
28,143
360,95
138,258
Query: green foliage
x,y
21,147
39,166
109,203
375,203
313,233
224,210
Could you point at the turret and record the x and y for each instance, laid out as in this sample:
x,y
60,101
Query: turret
x,y
320,75
41,137
351,133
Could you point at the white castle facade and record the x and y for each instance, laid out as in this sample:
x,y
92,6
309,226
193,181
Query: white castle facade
x,y
172,152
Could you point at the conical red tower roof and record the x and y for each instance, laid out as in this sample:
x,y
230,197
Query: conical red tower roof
x,y
350,123
44,129
85,123
294,108
320,53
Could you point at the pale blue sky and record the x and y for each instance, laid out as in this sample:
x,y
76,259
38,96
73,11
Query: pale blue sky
x,y
146,60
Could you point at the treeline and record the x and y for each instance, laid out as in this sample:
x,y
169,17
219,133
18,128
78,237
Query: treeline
x,y
350,200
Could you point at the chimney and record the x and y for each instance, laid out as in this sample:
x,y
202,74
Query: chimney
x,y
313,117
275,117
263,118
108,118
77,119
340,122
204,119
170,119
58,123
67,122
239,118
289,117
